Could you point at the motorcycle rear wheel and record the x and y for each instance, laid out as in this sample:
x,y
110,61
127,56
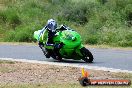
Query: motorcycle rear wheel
x,y
56,55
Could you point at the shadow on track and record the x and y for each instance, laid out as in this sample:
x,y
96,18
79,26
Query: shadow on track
x,y
72,61
76,61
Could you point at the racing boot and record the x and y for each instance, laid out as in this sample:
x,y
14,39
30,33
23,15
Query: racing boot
x,y
45,51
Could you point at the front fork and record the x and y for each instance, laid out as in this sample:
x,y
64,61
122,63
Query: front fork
x,y
78,50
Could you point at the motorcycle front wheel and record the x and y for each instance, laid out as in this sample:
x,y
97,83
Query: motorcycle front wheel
x,y
87,55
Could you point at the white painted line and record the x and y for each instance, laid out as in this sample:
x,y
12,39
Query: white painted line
x,y
68,64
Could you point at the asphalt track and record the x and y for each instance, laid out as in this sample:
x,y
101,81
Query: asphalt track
x,y
109,58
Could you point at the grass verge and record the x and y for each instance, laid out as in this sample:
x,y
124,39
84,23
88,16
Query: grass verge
x,y
55,86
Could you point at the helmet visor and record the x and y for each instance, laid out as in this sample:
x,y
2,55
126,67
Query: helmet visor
x,y
52,26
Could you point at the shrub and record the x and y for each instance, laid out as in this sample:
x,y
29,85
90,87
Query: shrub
x,y
127,40
97,21
91,39
78,12
10,16
10,36
128,14
22,33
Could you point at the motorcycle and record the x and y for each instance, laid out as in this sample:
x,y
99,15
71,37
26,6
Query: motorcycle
x,y
72,47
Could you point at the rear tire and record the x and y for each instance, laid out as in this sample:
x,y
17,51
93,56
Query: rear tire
x,y
56,55
88,57
59,58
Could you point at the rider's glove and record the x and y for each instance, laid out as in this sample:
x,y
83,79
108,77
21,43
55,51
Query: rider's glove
x,y
58,46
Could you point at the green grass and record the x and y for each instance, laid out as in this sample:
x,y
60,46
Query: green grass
x,y
6,62
55,86
106,22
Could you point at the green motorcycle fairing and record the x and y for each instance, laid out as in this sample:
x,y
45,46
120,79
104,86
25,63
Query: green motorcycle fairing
x,y
72,44
71,40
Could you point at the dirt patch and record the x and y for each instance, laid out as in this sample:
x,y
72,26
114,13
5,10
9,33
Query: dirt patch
x,y
19,72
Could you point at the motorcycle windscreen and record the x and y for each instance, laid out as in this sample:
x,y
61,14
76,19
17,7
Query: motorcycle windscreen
x,y
40,37
36,34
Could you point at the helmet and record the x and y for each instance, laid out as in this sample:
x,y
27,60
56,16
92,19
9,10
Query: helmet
x,y
51,25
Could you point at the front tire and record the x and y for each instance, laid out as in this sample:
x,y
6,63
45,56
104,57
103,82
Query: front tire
x,y
87,55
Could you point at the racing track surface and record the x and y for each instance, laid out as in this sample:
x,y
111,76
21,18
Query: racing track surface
x,y
111,58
